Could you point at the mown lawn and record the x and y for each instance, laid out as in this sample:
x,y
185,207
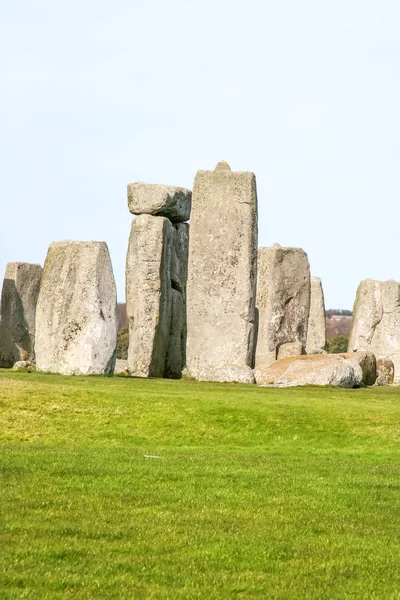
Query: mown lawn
x,y
258,492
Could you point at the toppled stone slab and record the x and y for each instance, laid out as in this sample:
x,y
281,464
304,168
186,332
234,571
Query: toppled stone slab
x,y
76,317
316,331
21,365
160,200
222,273
385,372
149,294
290,349
376,321
367,362
121,367
283,300
18,312
316,369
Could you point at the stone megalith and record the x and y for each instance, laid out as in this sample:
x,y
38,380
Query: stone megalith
x,y
18,312
149,294
283,300
376,321
76,316
159,201
222,276
316,332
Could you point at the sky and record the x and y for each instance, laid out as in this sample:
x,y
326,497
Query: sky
x,y
306,94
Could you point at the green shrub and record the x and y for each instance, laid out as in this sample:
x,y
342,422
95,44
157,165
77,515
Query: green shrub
x,y
122,343
337,344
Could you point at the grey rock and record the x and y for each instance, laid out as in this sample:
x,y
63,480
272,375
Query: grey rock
x,y
20,365
160,200
367,362
226,373
173,360
316,331
385,372
222,272
76,316
376,321
317,369
179,275
283,300
121,367
148,294
290,349
18,312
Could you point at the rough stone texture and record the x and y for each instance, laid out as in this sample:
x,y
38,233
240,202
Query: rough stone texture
x,y
173,360
76,317
376,321
20,365
367,362
315,369
316,331
18,312
149,294
179,275
222,274
226,374
283,300
121,367
160,200
290,349
385,372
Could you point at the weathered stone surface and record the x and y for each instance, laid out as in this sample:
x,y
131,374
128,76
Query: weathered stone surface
x,y
283,300
148,294
76,317
367,362
173,360
315,369
376,321
316,331
222,273
18,312
385,372
160,200
290,349
226,374
20,365
179,275
121,367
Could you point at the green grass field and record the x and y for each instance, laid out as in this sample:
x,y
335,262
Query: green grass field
x,y
258,492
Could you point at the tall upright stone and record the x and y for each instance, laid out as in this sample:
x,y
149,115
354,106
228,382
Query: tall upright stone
x,y
316,333
18,312
376,321
76,316
156,276
283,300
222,278
149,294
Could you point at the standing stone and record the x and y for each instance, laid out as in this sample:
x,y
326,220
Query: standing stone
x,y
376,321
222,275
316,332
18,312
173,359
160,200
148,294
179,275
283,300
76,317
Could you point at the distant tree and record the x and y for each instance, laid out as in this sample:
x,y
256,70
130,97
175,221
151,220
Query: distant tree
x,y
122,344
337,345
338,311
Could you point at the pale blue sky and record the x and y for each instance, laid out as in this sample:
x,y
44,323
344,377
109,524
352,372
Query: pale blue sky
x,y
305,93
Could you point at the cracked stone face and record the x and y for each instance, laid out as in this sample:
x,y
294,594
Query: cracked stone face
x,y
76,316
376,321
222,273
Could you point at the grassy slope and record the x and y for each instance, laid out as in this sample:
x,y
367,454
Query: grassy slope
x,y
260,492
